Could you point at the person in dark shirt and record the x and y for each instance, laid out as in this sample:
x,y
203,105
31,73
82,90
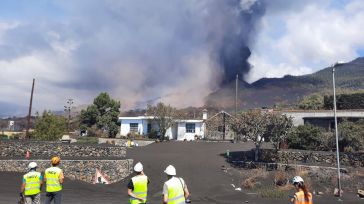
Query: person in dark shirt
x,y
138,186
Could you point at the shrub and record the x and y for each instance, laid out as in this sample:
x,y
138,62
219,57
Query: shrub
x,y
305,137
252,178
345,101
312,102
153,134
94,132
249,183
49,126
134,135
88,140
328,141
18,136
270,191
281,178
351,136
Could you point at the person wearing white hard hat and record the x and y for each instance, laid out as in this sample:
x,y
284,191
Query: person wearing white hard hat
x,y
175,190
302,196
138,186
31,185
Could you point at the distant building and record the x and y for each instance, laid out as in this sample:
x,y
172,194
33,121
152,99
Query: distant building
x,y
11,125
144,125
322,118
218,127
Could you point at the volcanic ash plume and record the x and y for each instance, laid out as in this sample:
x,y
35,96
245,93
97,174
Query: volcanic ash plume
x,y
172,51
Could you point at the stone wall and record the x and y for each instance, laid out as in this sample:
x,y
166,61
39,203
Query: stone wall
x,y
83,170
313,157
78,161
45,150
122,142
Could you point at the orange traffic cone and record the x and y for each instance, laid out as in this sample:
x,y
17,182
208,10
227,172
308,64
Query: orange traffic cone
x,y
27,155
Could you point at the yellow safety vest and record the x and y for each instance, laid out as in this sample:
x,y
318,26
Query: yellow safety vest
x,y
140,184
176,194
300,198
52,179
32,183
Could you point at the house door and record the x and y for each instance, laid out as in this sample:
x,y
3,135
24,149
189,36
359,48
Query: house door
x,y
174,131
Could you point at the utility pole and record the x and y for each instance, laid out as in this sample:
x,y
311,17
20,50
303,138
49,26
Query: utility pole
x,y
336,131
236,94
67,109
224,128
27,135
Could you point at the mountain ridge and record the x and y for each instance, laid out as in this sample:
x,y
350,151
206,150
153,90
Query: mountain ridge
x,y
268,92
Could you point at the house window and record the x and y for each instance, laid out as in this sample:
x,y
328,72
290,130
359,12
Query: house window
x,y
190,127
149,128
133,127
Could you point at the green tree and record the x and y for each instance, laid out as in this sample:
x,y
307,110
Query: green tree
x,y
164,116
345,101
49,126
351,135
307,137
312,102
252,125
278,128
101,115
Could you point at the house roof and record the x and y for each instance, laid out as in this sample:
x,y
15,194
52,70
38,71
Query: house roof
x,y
136,118
221,112
317,111
189,121
152,117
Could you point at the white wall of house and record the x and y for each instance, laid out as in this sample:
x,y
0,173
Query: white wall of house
x,y
176,132
125,126
169,133
298,117
182,134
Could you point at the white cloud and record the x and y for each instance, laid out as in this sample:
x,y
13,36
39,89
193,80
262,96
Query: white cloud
x,y
135,50
302,41
247,4
263,68
5,26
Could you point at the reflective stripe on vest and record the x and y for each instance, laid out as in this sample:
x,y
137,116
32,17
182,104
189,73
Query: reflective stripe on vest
x,y
300,198
176,193
140,184
52,179
32,183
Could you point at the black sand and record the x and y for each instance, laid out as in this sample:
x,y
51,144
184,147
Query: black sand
x,y
198,163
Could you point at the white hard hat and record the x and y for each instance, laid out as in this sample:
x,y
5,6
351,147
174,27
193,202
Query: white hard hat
x,y
138,167
297,179
32,165
170,170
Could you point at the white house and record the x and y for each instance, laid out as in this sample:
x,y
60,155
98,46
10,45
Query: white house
x,y
181,130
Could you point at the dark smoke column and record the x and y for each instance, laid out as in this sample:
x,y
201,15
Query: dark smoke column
x,y
235,51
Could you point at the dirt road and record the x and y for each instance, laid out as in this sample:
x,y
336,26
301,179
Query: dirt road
x,y
199,163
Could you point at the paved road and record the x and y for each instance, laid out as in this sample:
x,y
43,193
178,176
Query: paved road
x,y
199,163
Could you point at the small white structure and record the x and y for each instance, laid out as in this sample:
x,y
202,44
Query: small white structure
x,y
66,139
181,129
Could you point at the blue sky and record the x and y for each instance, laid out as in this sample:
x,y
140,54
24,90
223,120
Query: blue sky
x,y
139,49
361,52
25,10
307,37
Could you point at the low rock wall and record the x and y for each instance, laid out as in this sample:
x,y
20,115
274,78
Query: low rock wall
x,y
83,170
289,167
18,149
122,142
302,156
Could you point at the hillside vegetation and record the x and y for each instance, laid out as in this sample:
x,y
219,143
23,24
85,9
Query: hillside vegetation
x,y
286,91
